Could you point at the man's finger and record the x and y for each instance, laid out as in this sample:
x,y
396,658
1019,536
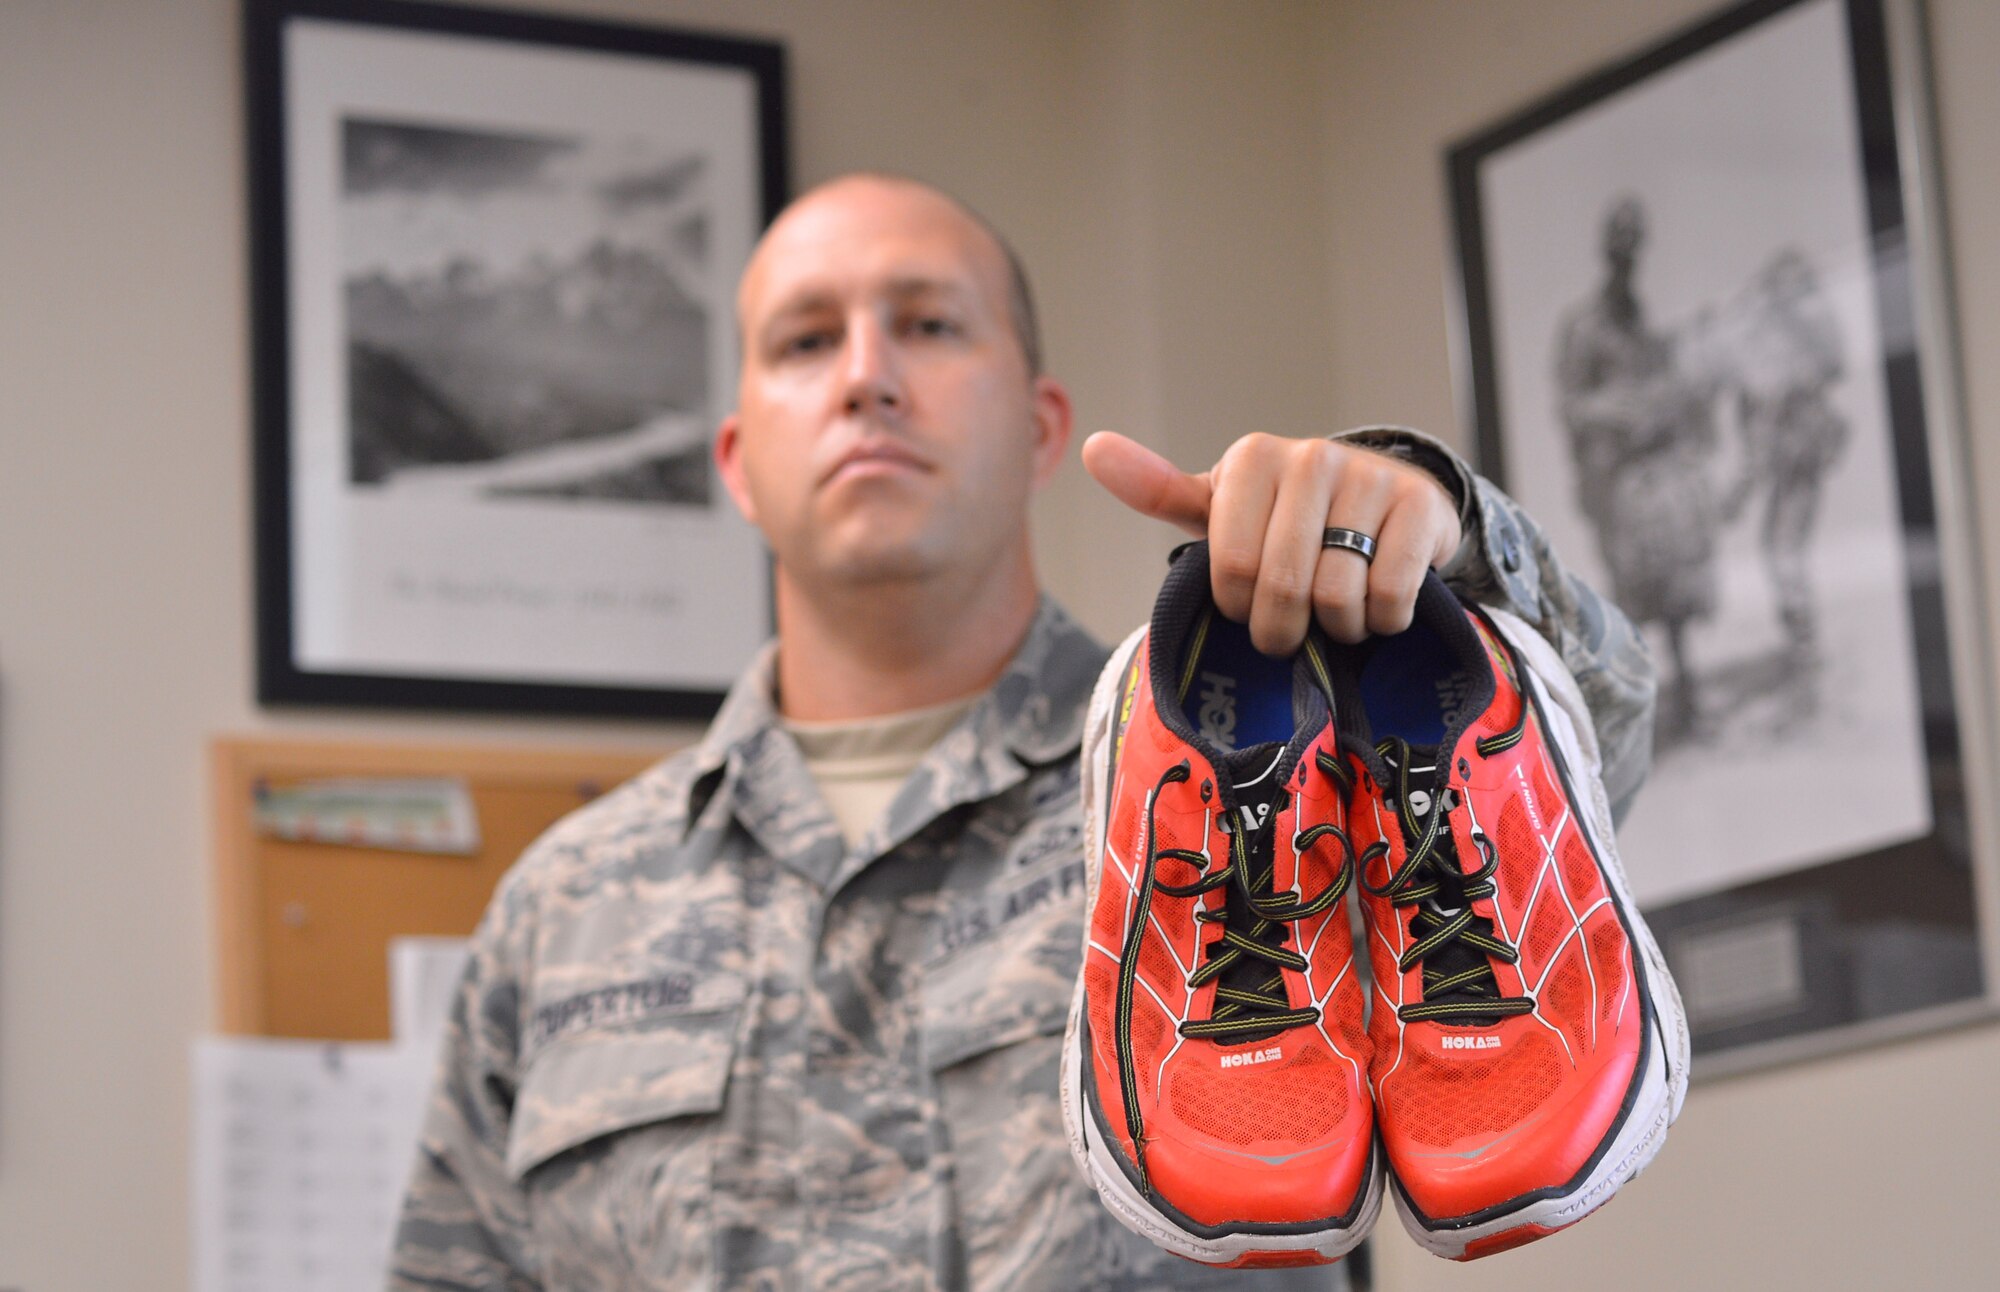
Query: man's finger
x,y
1147,482
1283,603
1340,584
1403,552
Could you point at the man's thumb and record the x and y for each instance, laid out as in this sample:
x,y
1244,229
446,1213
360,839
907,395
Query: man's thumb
x,y
1147,482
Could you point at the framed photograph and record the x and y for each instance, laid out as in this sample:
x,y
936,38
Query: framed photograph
x,y
493,258
1706,344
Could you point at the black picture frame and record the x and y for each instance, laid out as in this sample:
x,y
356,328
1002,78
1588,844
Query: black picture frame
x,y
1632,430
382,132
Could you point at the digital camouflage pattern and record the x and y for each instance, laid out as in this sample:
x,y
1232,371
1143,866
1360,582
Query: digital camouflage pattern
x,y
702,1043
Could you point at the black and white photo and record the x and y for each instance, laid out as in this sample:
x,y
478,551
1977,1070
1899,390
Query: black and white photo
x,y
494,256
526,315
1688,315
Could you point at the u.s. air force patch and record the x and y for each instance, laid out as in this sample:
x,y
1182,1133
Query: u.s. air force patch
x,y
981,915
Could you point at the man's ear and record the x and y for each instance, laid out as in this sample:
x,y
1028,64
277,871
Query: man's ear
x,y
729,465
1053,419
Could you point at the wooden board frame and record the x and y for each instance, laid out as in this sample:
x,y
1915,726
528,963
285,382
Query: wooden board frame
x,y
421,894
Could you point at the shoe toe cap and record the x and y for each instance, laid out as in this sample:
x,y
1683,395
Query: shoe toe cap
x,y
1291,1148
1494,1160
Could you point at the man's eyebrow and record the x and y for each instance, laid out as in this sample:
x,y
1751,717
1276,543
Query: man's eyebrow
x,y
805,302
920,285
908,287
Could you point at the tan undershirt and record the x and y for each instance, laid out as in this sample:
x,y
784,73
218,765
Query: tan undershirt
x,y
860,765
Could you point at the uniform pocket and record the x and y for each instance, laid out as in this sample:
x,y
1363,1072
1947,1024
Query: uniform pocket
x,y
600,1083
1008,965
995,1004
996,998
613,1144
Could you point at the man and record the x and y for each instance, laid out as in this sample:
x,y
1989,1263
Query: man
x,y
786,1011
1790,362
1642,434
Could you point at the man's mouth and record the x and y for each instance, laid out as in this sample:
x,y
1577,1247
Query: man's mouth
x,y
876,458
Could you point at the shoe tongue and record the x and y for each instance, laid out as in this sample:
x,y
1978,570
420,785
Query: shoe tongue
x,y
1454,957
1256,789
1254,782
1421,764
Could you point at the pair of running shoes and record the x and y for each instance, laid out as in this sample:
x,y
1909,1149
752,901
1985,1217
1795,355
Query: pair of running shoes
x,y
1227,1087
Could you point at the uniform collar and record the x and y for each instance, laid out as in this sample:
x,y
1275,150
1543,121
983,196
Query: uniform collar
x,y
1032,715
1038,703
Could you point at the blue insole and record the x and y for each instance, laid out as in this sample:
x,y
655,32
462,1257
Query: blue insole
x,y
1239,696
1409,686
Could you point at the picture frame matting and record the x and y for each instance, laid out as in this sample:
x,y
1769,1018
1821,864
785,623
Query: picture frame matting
x,y
492,258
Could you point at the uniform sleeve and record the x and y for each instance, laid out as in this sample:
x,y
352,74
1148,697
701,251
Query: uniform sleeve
x,y
464,1220
1505,560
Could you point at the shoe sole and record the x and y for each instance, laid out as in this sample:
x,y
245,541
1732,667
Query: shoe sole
x,y
1086,1140
1663,1087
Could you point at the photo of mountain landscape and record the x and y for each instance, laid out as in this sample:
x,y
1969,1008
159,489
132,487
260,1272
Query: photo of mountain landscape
x,y
526,316
492,270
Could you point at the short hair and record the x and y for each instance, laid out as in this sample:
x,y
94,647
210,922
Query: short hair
x,y
1020,296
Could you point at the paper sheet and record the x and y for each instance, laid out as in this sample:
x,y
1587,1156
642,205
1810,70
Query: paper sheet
x,y
301,1153
423,977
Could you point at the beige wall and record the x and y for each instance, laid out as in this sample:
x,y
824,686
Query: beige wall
x,y
1176,269
1235,215
1868,1171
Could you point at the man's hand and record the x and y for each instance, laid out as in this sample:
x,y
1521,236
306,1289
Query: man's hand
x,y
1264,509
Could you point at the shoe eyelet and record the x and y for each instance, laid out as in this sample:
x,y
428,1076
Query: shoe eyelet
x,y
1464,770
1207,791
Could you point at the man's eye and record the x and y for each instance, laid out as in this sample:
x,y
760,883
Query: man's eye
x,y
932,325
805,343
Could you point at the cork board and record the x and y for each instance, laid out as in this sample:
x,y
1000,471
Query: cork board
x,y
303,928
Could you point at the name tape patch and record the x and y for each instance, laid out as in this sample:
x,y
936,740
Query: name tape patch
x,y
615,1004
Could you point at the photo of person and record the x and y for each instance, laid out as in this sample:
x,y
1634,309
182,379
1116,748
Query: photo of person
x,y
1685,336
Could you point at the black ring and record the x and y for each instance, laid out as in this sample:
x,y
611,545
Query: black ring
x,y
1352,540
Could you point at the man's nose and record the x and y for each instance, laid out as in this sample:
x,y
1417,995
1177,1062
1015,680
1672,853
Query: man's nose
x,y
872,381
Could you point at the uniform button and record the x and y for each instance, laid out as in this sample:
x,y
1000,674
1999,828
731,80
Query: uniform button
x,y
1510,548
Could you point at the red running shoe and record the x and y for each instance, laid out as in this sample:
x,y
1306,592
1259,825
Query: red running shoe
x,y
1530,1048
1214,1072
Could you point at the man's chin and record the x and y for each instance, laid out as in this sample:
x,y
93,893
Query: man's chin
x,y
885,569
876,565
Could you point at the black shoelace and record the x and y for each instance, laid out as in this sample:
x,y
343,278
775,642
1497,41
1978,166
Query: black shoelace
x,y
1255,924
1455,946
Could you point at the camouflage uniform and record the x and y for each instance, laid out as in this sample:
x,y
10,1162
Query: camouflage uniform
x,y
702,1043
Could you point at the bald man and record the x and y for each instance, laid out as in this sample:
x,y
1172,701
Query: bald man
x,y
786,1010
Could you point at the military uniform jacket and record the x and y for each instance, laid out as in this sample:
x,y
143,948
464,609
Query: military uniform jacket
x,y
702,1043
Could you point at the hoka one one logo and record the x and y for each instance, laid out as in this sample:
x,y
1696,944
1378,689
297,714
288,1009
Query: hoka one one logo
x,y
1468,1042
1254,817
1269,1054
1454,692
1218,709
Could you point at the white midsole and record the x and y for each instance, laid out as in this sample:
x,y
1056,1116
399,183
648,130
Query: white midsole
x,y
1570,716
1663,1088
1644,1131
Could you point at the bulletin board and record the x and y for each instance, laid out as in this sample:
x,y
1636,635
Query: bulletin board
x,y
303,928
